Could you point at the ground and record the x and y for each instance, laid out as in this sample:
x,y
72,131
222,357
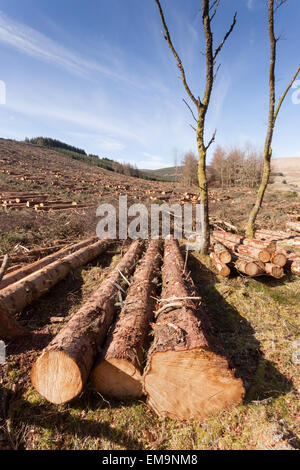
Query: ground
x,y
256,320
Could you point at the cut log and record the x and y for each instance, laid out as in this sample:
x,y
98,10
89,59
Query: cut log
x,y
251,268
222,252
186,376
9,328
255,253
4,266
249,251
29,269
20,294
295,267
273,270
279,259
293,226
222,268
119,366
60,373
260,244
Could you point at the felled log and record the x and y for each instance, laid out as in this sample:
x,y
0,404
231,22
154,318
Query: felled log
x,y
249,267
293,226
260,254
61,371
279,258
4,266
16,296
119,366
273,270
251,242
9,328
186,376
271,235
29,269
222,252
221,267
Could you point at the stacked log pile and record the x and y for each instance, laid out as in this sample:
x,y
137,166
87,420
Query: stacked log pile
x,y
284,238
23,291
250,256
20,200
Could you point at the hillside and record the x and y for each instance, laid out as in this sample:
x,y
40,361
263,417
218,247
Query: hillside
x,y
286,173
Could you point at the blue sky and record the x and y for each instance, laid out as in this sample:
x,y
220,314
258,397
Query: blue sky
x,y
98,74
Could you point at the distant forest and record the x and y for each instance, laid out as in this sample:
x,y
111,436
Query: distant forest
x,y
102,162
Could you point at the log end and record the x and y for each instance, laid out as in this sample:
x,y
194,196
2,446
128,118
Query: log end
x,y
118,378
191,384
57,377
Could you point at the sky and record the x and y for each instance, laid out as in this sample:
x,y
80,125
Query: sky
x,y
98,74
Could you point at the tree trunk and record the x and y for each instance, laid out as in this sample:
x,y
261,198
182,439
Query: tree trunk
x,y
16,296
60,373
37,265
186,377
119,367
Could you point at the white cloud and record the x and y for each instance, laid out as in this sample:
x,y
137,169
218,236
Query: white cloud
x,y
250,4
75,116
35,44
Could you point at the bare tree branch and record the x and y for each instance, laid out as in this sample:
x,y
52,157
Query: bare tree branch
x,y
281,99
225,37
190,109
211,140
179,63
214,7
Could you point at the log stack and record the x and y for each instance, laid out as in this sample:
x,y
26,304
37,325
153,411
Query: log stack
x,y
16,296
251,256
185,376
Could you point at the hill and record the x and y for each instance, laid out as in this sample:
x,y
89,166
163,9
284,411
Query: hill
x,y
286,172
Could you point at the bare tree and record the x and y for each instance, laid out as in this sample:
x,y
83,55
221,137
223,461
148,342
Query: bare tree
x,y
273,113
209,10
189,170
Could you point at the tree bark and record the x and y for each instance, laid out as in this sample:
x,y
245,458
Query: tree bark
x,y
119,366
185,377
60,373
273,113
37,265
20,294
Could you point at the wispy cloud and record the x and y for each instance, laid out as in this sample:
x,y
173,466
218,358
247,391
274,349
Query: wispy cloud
x,y
250,4
35,44
83,119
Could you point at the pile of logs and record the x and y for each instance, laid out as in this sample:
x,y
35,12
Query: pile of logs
x,y
248,255
253,256
21,287
184,374
20,200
